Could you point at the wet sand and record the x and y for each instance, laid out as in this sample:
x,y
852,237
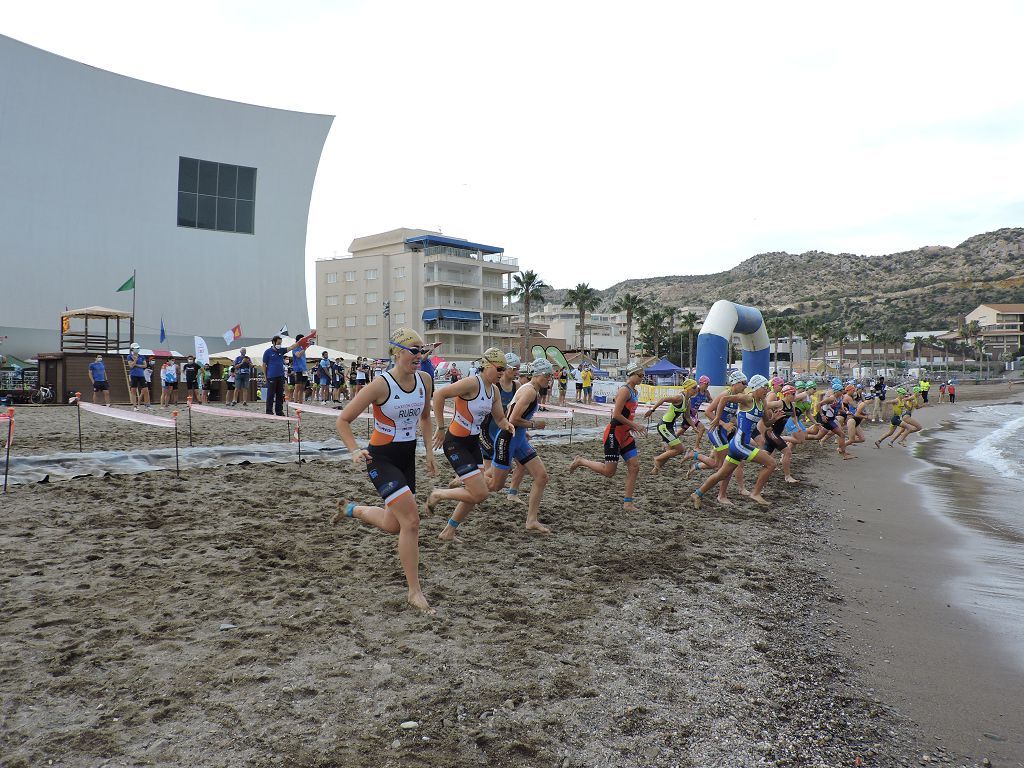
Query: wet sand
x,y
220,620
894,558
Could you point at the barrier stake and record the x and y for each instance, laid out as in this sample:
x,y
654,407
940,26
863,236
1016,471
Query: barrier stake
x,y
10,430
189,401
287,426
177,464
78,400
572,418
298,435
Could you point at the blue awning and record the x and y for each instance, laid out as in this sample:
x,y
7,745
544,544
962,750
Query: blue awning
x,y
450,314
425,241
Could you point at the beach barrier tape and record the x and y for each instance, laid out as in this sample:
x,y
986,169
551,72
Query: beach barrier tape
x,y
241,413
117,413
319,410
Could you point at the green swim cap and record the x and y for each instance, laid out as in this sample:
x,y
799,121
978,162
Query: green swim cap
x,y
917,388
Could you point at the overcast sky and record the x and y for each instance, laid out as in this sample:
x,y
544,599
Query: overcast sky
x,y
599,141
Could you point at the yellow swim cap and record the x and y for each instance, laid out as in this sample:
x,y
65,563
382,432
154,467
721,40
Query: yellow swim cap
x,y
689,383
495,357
407,337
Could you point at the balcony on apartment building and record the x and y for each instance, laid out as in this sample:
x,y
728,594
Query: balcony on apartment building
x,y
439,248
434,274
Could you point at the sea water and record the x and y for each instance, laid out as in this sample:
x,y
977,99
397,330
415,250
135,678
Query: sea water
x,y
974,474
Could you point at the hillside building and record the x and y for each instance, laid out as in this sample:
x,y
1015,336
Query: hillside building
x,y
449,289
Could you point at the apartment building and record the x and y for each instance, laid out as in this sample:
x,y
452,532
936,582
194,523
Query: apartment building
x,y
449,289
604,342
1001,328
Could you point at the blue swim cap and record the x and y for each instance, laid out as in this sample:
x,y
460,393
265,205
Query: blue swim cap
x,y
837,386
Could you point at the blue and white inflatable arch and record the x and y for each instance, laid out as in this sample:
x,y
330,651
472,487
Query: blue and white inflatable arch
x,y
725,319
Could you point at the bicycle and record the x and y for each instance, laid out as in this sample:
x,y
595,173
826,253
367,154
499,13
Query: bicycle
x,y
42,395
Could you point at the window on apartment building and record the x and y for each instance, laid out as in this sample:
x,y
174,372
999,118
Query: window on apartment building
x,y
399,295
371,298
371,345
350,298
399,271
371,274
400,318
332,277
350,322
350,345
371,319
350,277
332,322
332,301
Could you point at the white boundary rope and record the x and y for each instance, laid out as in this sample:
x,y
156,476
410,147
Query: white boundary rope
x,y
241,413
117,413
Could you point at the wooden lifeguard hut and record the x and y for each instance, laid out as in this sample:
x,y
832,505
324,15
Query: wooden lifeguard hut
x,y
85,333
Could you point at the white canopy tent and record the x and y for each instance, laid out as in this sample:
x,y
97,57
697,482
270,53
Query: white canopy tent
x,y
255,352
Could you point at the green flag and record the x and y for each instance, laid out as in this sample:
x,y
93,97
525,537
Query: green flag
x,y
129,285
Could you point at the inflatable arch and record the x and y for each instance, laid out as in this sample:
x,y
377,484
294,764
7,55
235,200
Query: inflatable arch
x,y
725,319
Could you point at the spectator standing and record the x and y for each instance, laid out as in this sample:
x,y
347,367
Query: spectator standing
x,y
878,405
229,382
273,367
587,379
136,375
323,374
243,372
98,377
148,376
300,368
951,391
169,379
192,383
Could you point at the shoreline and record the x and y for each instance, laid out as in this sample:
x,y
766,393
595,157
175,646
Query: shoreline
x,y
894,555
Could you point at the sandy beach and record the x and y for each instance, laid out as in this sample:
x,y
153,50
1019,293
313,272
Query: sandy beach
x,y
220,619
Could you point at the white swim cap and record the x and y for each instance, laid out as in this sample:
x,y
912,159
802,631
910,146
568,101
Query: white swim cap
x,y
737,377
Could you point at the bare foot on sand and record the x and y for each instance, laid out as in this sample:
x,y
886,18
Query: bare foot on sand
x,y
791,479
517,498
725,501
341,513
535,526
760,500
847,456
574,465
419,602
691,470
448,535
695,500
429,504
744,491
629,506
657,467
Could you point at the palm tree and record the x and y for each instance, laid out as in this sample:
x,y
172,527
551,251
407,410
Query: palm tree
x,y
809,328
528,288
690,321
824,330
857,327
841,340
628,303
918,342
774,328
585,299
791,324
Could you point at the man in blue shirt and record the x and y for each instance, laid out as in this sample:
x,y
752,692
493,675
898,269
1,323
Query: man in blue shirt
x,y
98,377
136,376
243,372
300,368
273,367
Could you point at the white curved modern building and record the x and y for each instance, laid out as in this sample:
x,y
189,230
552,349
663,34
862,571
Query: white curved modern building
x,y
206,200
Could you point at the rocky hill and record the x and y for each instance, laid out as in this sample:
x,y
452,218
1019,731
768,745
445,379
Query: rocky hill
x,y
925,289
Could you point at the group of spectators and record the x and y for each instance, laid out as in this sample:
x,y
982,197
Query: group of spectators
x,y
193,377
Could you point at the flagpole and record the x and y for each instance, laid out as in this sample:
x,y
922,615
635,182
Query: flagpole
x,y
133,307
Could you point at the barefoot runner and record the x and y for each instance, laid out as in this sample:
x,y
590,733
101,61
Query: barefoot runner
x,y
401,401
475,398
619,438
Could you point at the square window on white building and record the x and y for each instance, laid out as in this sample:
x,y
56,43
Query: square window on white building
x,y
371,274
350,276
350,322
332,301
371,298
400,318
371,345
399,271
350,298
332,277
350,345
371,319
332,322
399,295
